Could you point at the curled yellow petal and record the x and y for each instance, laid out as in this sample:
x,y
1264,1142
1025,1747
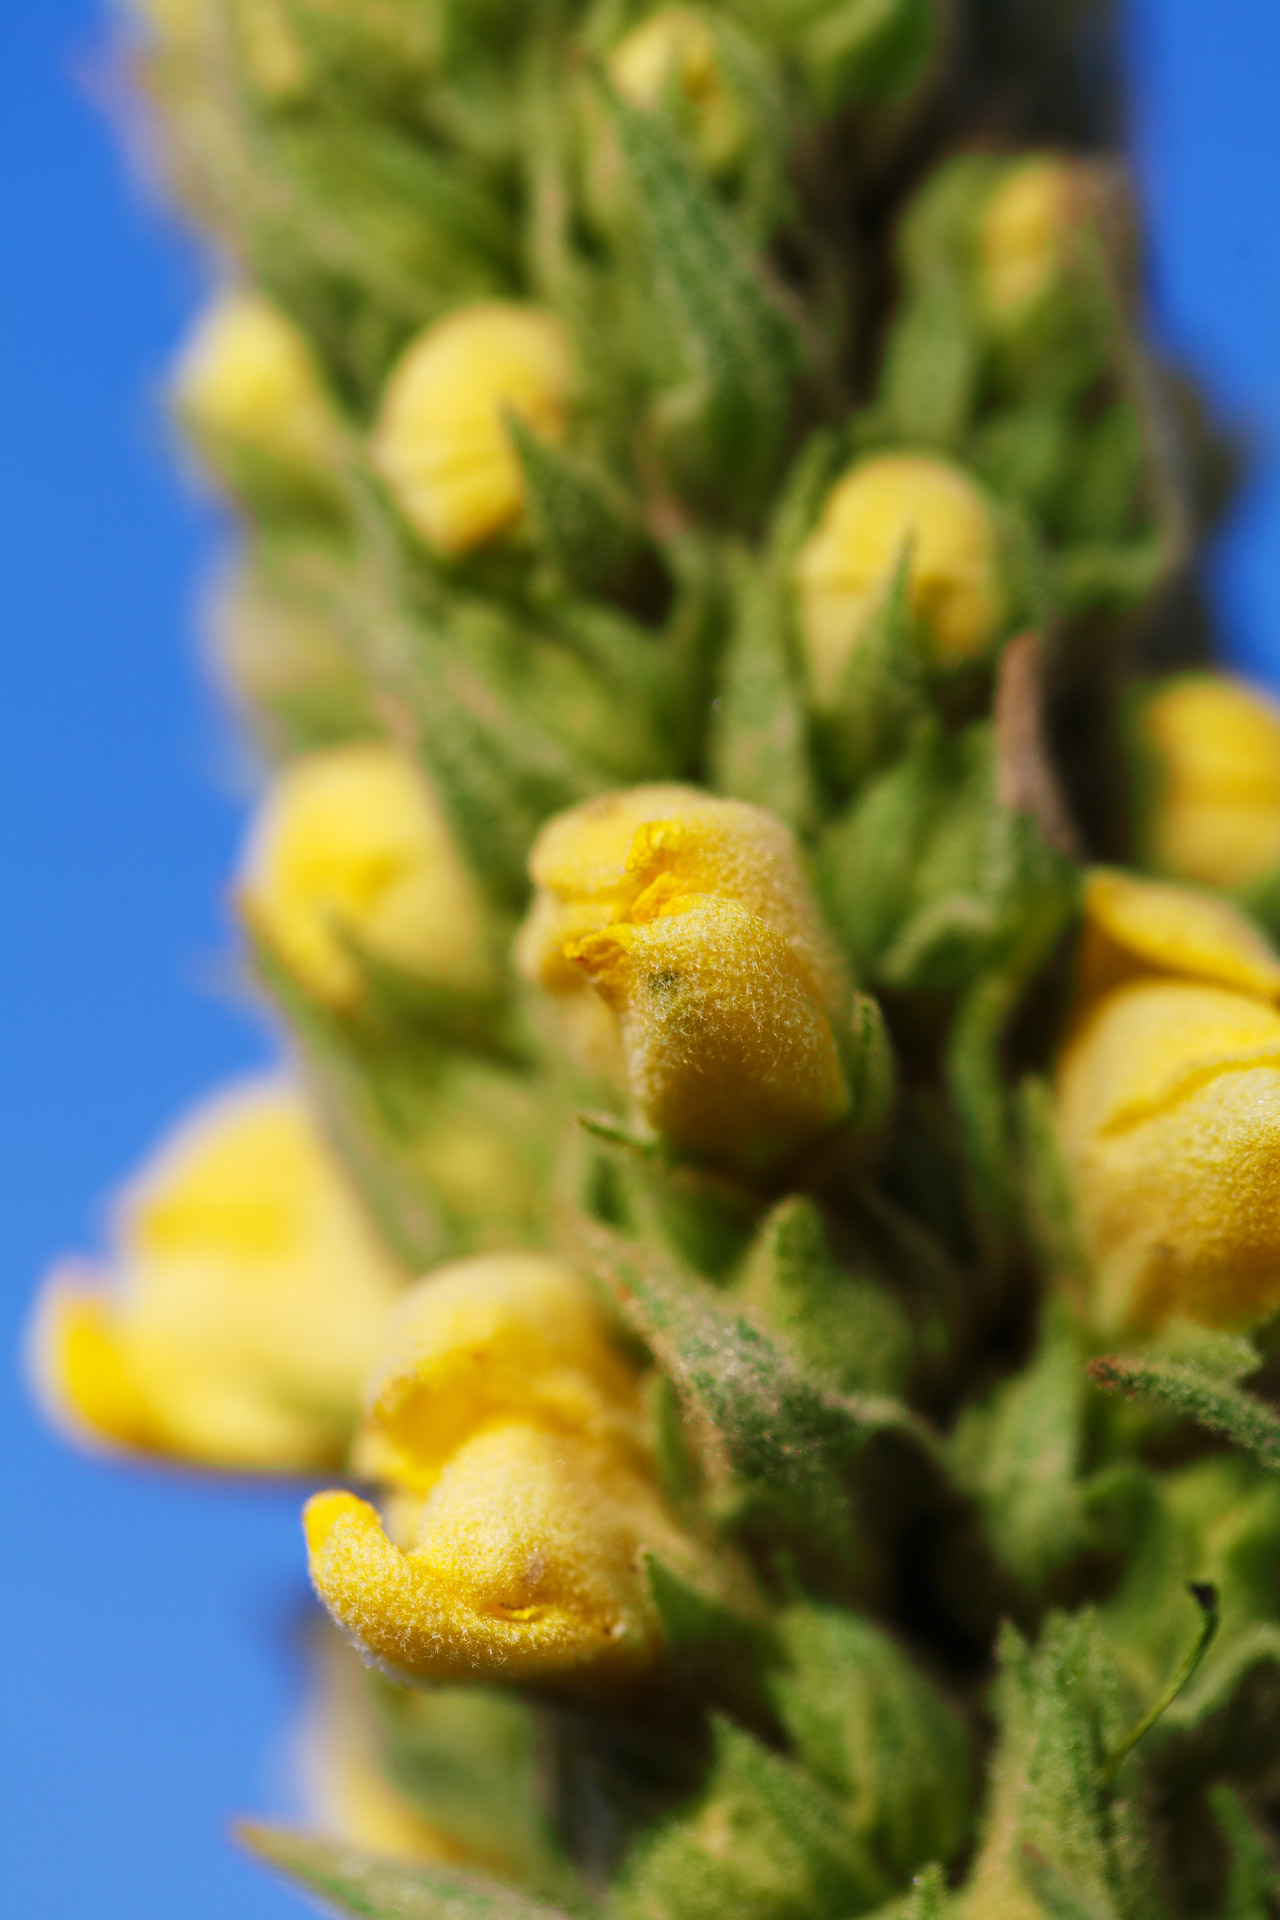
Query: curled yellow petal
x,y
526,1562
483,1340
880,509
246,1299
1169,1109
441,439
1215,814
349,853
1150,926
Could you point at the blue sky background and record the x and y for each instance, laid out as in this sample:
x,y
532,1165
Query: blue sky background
x,y
144,1620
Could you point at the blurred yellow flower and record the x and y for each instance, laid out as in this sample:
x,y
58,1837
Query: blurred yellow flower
x,y
692,918
1026,233
1169,1108
1215,814
673,53
348,856
246,384
245,1302
441,441
879,510
521,1493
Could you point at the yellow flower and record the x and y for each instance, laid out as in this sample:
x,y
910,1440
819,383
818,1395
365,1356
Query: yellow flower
x,y
247,384
1026,233
349,854
692,919
1169,1109
1216,815
673,53
881,507
522,1497
441,440
246,1300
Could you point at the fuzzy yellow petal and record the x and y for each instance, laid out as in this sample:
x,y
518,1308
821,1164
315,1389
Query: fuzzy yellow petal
x,y
1025,235
1216,816
526,1564
441,440
481,1341
349,850
247,1299
1169,1109
247,379
875,511
1150,926
730,1054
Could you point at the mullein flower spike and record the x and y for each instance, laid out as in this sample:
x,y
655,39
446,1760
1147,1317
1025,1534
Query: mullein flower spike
x,y
522,1496
1169,1108
1213,814
882,512
692,919
245,1301
349,855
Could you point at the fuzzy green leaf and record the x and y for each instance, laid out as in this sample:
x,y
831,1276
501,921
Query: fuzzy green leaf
x,y
1254,1880
576,519
740,347
378,1889
764,1420
759,744
1194,1393
882,691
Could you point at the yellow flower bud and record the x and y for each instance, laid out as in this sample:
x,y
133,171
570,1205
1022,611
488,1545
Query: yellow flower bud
x,y
247,385
673,53
1168,1092
1215,817
441,440
881,507
349,854
247,1300
692,919
482,1340
522,1493
1026,233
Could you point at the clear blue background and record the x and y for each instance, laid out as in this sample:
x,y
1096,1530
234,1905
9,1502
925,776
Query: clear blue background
x,y
145,1621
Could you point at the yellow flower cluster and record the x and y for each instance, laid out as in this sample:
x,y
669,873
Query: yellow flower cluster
x,y
692,919
522,1499
1215,813
1169,1107
245,1304
882,511
349,857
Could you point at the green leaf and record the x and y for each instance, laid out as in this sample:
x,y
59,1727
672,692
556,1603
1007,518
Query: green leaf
x,y
929,383
379,1889
867,49
741,349
1254,1879
1021,1454
763,1419
764,1841
867,862
576,519
759,747
1215,1523
843,1324
882,690
869,1724
1194,1393
1060,1712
